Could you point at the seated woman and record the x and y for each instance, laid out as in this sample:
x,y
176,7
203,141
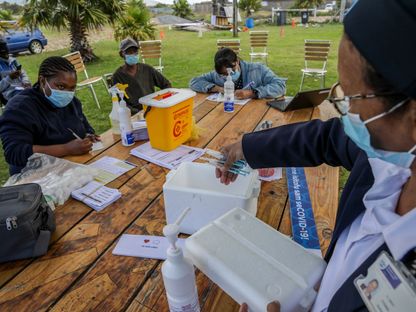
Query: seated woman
x,y
45,118
251,80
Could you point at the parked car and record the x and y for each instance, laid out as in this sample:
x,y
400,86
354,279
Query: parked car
x,y
20,40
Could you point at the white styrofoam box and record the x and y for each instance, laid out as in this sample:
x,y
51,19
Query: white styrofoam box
x,y
254,263
194,185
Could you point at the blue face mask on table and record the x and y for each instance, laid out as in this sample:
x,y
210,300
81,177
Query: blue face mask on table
x,y
59,98
131,59
357,131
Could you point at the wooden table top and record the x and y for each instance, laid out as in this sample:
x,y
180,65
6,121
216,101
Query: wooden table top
x,y
80,273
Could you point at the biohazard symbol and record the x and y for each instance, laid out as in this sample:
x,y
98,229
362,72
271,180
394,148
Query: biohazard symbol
x,y
177,129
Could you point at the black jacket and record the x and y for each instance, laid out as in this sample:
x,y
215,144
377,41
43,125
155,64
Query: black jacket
x,y
31,119
311,144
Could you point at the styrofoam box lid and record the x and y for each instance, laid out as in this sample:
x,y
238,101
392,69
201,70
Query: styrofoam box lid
x,y
174,96
200,178
255,263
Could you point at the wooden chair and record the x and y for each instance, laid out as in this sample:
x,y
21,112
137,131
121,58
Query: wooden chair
x,y
151,49
233,44
76,60
316,53
258,45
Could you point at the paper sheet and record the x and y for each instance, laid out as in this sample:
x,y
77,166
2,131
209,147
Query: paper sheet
x,y
110,168
170,160
96,146
219,97
145,246
96,195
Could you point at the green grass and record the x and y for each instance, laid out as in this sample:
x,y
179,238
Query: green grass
x,y
185,56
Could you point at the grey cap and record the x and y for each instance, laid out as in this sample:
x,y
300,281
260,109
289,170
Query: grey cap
x,y
128,43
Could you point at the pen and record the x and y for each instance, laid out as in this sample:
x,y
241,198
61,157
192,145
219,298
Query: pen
x,y
248,85
74,134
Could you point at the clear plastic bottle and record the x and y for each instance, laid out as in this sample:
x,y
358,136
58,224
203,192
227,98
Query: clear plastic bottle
x,y
126,127
114,119
229,93
179,274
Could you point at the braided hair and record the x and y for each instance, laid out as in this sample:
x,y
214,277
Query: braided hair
x,y
53,65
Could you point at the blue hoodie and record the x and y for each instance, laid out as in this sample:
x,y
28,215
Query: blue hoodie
x,y
266,83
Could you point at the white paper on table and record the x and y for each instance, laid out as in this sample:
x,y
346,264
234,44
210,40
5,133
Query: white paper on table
x,y
96,146
276,176
96,195
110,168
219,97
144,246
170,160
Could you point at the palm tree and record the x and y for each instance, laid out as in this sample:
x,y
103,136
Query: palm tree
x,y
76,16
135,23
181,8
249,6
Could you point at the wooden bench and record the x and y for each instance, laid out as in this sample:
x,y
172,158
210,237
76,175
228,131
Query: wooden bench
x,y
80,273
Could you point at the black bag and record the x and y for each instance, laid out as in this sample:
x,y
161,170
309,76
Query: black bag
x,y
26,222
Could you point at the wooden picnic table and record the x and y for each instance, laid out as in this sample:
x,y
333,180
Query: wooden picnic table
x,y
80,273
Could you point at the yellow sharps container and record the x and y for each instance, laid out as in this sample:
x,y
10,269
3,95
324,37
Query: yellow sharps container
x,y
168,116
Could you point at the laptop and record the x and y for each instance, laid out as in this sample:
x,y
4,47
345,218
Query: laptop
x,y
303,99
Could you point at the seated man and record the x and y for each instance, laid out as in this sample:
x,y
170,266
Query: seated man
x,y
140,78
47,118
13,79
251,80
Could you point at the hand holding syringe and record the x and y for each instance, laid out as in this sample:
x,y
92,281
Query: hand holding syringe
x,y
238,167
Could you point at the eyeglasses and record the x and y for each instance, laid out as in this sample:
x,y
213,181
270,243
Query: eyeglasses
x,y
341,102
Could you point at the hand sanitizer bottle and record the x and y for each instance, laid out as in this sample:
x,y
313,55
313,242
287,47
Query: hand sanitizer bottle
x,y
114,119
126,127
229,93
179,273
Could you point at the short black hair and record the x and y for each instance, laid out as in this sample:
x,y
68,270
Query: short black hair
x,y
225,57
53,65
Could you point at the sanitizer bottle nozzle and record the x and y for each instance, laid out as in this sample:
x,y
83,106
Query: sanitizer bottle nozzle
x,y
171,231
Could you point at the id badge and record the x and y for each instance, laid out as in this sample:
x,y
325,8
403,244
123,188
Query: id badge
x,y
388,286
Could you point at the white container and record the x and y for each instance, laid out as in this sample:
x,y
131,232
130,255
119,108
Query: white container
x,y
195,185
114,119
178,273
126,127
229,93
254,263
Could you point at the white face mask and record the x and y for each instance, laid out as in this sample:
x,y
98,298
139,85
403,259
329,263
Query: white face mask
x,y
357,131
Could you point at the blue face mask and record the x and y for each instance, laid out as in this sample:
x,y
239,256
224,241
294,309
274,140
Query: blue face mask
x,y
131,59
59,98
235,75
357,131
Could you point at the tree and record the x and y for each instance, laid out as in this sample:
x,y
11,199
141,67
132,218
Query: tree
x,y
182,8
75,16
306,4
135,23
249,6
6,15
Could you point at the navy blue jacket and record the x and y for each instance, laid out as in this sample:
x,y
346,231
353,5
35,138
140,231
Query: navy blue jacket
x,y
311,144
31,119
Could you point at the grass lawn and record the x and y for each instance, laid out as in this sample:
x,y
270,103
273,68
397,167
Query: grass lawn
x,y
185,55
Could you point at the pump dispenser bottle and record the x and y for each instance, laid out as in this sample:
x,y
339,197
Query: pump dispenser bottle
x,y
229,93
126,127
178,273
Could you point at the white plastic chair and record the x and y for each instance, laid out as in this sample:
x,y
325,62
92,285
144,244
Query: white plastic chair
x,y
316,52
76,60
233,44
258,45
151,49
